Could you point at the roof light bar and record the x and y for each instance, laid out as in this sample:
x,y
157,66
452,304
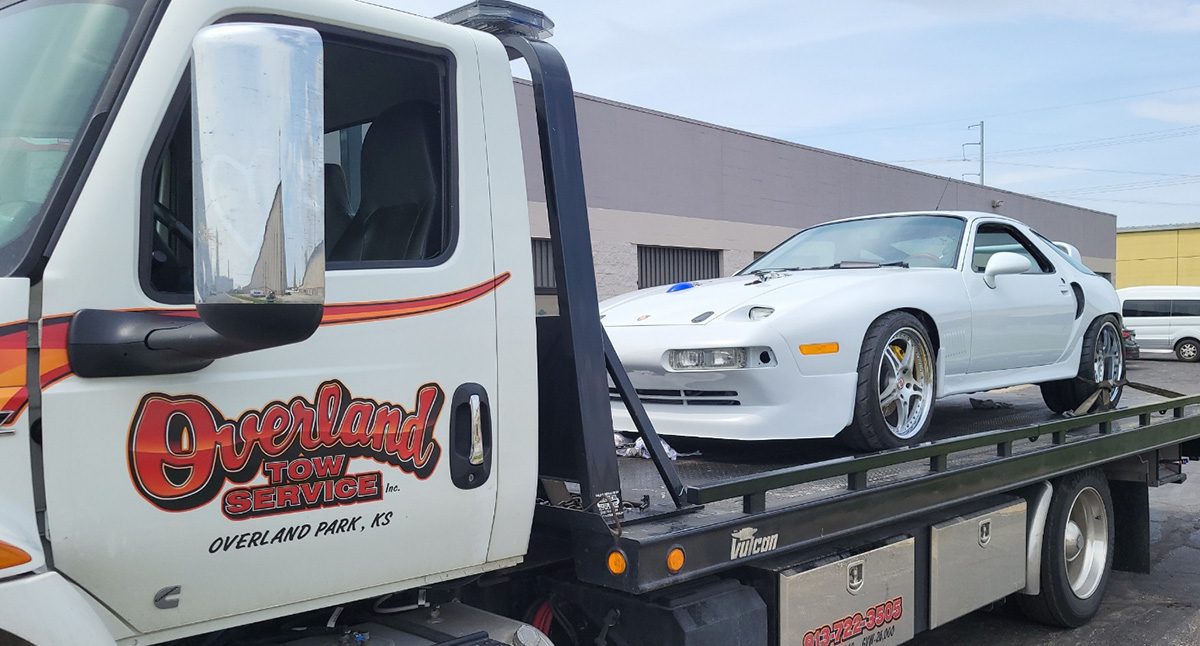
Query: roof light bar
x,y
501,17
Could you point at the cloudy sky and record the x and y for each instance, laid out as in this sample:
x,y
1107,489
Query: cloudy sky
x,y
1090,102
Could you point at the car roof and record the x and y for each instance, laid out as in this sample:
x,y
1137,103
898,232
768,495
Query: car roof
x,y
969,216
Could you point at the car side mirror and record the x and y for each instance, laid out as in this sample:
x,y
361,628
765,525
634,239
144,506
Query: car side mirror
x,y
258,170
1004,262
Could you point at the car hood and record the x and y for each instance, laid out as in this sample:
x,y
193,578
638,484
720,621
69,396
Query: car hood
x,y
732,295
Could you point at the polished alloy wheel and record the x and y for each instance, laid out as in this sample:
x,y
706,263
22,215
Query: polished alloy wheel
x,y
906,382
1108,361
1085,542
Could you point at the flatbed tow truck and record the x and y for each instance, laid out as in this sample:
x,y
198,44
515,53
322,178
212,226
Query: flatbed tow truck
x,y
140,506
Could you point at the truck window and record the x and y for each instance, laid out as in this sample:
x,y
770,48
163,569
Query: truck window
x,y
388,171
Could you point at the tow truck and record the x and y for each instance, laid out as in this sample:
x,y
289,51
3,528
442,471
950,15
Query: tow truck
x,y
395,449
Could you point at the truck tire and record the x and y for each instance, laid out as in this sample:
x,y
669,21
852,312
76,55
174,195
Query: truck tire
x,y
1102,336
1077,552
897,385
1188,350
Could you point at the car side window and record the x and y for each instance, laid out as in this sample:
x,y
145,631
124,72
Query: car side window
x,y
1146,308
992,238
389,166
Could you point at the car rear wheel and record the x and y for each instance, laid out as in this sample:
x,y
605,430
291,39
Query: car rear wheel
x,y
897,382
1102,360
1188,350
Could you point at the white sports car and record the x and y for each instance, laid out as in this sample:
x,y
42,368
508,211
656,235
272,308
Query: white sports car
x,y
856,326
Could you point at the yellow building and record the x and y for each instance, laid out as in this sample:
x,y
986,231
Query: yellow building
x,y
1158,255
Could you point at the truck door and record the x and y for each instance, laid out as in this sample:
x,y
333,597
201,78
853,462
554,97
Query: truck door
x,y
164,500
1027,319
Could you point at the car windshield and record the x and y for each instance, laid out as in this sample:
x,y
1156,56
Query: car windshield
x,y
54,58
909,240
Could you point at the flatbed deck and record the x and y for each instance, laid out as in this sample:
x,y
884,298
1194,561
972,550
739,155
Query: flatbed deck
x,y
720,461
808,495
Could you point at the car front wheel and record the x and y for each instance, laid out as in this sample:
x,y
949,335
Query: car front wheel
x,y
897,383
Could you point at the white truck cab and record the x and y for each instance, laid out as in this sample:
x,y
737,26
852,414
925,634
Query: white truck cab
x,y
347,478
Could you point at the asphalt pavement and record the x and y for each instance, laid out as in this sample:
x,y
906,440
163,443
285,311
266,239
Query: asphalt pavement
x,y
1162,607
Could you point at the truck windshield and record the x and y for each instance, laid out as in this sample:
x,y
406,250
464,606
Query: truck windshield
x,y
905,240
54,57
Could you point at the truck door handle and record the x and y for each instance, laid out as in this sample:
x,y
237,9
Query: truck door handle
x,y
470,437
476,431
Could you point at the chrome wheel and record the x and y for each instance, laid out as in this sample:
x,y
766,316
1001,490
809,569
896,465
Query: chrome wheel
x,y
1108,360
906,382
1085,542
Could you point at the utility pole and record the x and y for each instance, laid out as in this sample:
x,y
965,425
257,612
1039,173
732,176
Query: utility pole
x,y
975,143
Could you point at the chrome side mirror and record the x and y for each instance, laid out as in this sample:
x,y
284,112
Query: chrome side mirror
x,y
259,211
1004,262
258,172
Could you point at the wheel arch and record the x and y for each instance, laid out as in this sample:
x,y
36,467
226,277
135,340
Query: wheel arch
x,y
927,320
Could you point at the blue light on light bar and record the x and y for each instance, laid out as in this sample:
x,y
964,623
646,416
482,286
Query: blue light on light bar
x,y
679,287
501,17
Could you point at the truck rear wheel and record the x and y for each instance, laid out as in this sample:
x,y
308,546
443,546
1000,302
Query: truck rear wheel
x,y
1102,359
1077,552
897,384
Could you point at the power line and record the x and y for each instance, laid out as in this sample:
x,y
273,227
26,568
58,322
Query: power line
x,y
1130,186
1083,144
1151,202
1092,170
1010,113
1103,142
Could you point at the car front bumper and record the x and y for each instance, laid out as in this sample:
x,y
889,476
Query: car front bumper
x,y
773,402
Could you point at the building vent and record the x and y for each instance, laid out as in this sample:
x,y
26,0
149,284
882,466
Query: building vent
x,y
666,265
543,266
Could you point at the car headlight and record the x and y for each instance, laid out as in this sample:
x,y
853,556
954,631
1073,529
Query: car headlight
x,y
759,313
707,359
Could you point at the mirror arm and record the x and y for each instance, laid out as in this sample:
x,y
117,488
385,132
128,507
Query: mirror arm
x,y
107,343
196,339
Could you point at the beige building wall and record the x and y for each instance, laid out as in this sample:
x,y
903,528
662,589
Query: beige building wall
x,y
1159,256
617,234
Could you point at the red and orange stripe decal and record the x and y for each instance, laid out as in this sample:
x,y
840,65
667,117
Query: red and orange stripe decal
x,y
54,365
343,313
14,396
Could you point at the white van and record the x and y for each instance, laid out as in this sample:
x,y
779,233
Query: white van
x,y
1166,318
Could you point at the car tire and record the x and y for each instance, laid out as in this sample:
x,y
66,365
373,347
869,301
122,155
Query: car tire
x,y
1188,350
872,429
1069,394
1074,575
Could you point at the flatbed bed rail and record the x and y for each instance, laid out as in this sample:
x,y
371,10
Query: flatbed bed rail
x,y
887,506
753,488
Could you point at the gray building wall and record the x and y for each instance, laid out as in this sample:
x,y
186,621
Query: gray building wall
x,y
655,178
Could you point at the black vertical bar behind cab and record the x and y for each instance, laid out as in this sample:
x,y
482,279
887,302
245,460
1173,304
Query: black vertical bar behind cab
x,y
575,416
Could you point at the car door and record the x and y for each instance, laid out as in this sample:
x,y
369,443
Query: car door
x,y
1151,320
370,499
1026,320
